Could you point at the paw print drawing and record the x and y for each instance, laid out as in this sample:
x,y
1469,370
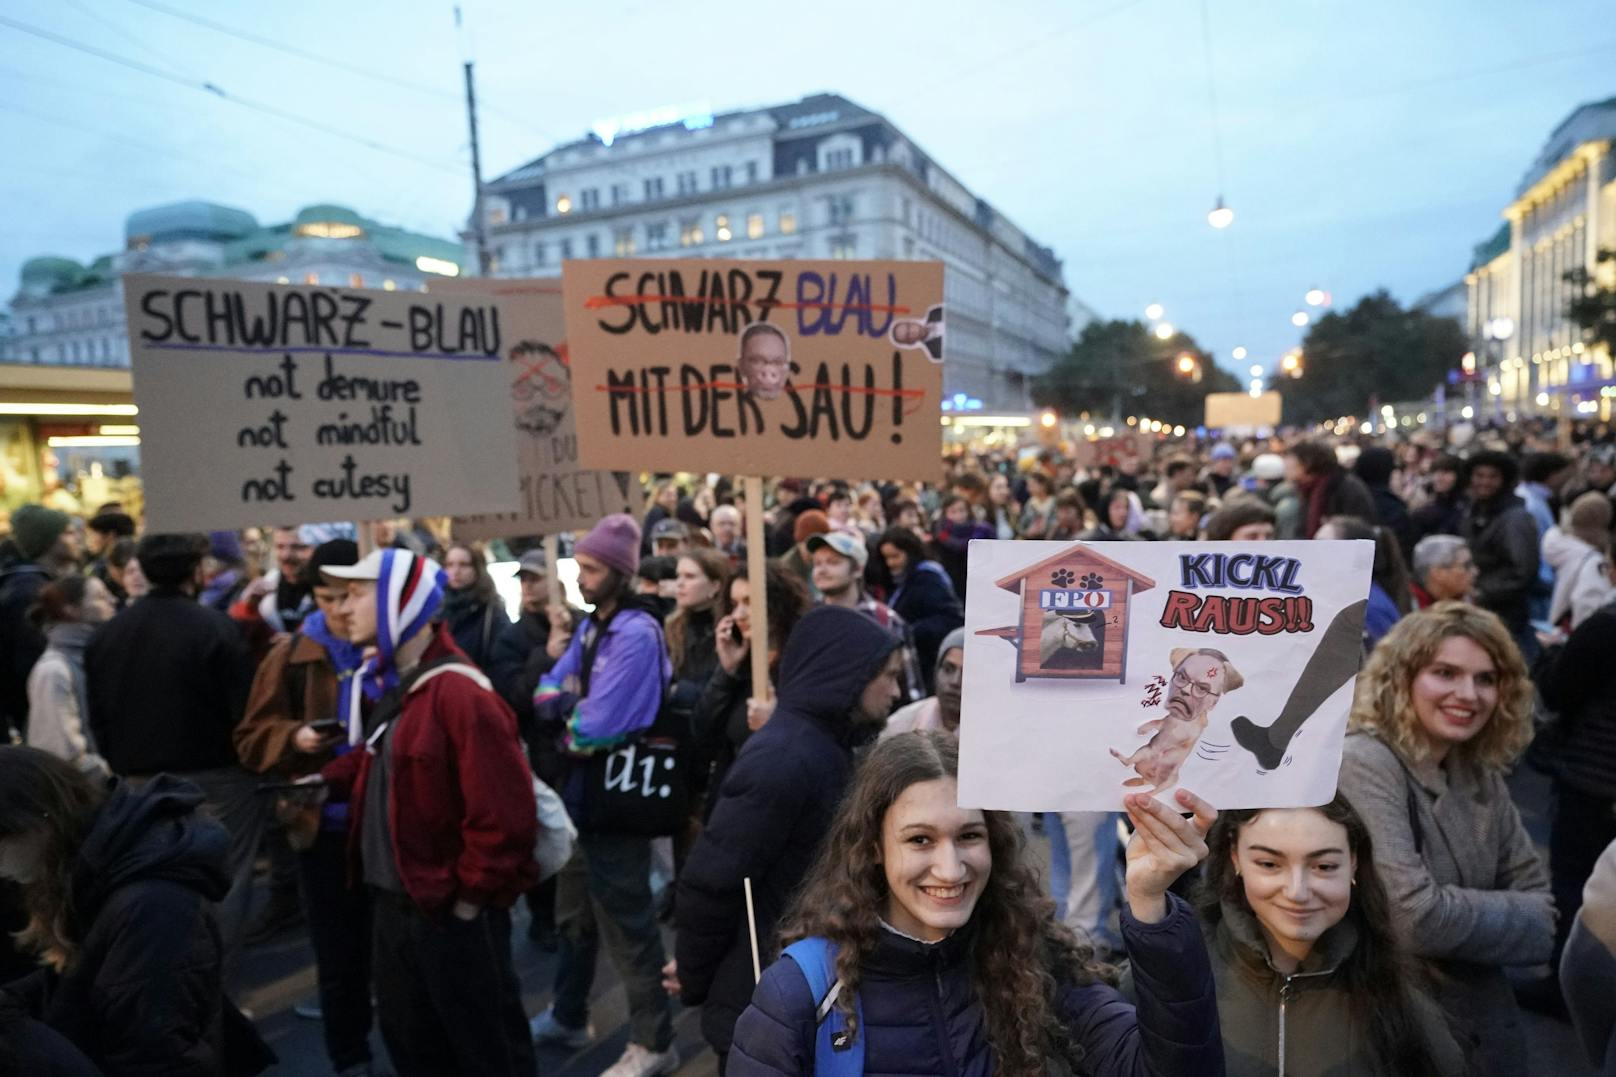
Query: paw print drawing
x,y
1091,581
1062,578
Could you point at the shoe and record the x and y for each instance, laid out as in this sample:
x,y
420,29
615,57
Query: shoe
x,y
547,1030
310,1011
640,1061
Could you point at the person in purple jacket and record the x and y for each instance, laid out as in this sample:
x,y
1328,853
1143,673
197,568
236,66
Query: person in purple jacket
x,y
946,958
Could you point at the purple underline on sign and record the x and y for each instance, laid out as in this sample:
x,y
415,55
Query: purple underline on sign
x,y
328,351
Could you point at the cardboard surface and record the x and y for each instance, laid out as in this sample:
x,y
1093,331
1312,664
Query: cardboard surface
x,y
1242,410
554,493
1088,677
285,403
760,368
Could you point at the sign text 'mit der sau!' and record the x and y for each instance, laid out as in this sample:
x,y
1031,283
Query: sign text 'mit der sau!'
x,y
286,403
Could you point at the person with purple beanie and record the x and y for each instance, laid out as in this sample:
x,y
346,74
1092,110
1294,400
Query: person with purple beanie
x,y
605,689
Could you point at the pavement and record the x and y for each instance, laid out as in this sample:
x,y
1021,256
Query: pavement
x,y
280,975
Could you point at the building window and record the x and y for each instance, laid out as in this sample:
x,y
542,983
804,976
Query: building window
x,y
722,176
496,215
690,232
311,278
788,222
592,246
751,172
356,280
589,200
619,193
653,188
908,247
31,328
754,226
656,236
841,209
721,228
540,253
838,159
623,242
564,204
686,182
566,250
844,246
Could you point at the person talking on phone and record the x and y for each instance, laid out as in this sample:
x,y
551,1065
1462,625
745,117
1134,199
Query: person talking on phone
x,y
300,716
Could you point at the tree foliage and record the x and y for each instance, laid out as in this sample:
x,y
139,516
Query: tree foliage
x,y
1123,363
1377,349
1593,308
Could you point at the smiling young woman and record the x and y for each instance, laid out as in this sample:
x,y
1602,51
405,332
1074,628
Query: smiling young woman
x,y
946,958
1442,710
1311,979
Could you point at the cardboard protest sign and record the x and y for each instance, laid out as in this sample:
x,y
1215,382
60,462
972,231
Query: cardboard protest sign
x,y
766,368
555,494
1114,451
1242,411
274,402
1095,670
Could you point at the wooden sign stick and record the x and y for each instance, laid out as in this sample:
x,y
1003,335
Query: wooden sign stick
x,y
757,589
552,571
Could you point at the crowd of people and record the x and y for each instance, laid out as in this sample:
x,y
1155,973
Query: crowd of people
x,y
220,738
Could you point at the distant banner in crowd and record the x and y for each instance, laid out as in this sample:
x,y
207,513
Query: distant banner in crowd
x,y
1242,411
555,493
762,368
1119,451
1095,670
273,402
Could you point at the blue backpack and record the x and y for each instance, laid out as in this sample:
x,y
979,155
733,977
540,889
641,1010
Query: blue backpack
x,y
837,1052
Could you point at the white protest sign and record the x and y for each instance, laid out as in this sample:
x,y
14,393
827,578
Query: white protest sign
x,y
1096,670
273,402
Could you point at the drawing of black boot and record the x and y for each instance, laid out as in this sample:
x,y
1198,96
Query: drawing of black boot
x,y
1332,664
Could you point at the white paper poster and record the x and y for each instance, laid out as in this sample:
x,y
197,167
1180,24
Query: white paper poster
x,y
1095,670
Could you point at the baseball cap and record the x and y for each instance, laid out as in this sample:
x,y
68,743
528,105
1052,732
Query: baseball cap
x,y
849,546
368,568
532,562
668,529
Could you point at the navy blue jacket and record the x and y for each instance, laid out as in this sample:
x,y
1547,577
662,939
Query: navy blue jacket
x,y
773,811
921,1015
925,598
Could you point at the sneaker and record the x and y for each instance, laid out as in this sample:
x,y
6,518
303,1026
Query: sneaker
x,y
309,1011
640,1061
547,1030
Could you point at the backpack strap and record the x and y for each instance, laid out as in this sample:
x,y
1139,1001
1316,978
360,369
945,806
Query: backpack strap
x,y
837,1052
452,667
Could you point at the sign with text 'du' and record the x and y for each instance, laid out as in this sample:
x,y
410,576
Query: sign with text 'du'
x,y
762,368
284,403
554,493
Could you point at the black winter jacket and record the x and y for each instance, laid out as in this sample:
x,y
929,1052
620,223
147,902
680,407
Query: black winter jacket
x,y
773,810
921,1014
1503,540
926,600
21,643
143,995
1577,684
168,683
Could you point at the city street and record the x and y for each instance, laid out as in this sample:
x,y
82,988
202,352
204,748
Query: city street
x,y
280,975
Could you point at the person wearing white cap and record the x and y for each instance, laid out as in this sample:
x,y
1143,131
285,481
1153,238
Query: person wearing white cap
x,y
443,819
837,560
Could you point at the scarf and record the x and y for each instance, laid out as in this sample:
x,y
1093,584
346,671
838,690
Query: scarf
x,y
345,658
1317,490
409,592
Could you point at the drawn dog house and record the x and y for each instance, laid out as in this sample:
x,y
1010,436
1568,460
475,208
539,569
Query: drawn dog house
x,y
1074,616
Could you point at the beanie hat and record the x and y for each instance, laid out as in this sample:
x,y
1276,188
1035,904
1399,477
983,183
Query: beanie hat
x,y
113,522
409,591
224,546
954,640
811,522
614,542
334,554
1223,451
35,529
1269,466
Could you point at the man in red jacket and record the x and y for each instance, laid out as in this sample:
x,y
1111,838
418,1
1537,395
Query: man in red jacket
x,y
442,826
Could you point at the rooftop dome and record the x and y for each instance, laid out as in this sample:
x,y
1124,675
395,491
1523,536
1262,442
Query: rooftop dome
x,y
188,220
49,270
327,221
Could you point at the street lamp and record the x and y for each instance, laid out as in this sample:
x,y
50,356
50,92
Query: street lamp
x,y
1300,318
1186,363
1221,216
1316,297
1240,353
1154,311
1256,371
1164,331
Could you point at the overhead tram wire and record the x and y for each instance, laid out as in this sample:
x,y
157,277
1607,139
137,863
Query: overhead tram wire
x,y
453,97
215,90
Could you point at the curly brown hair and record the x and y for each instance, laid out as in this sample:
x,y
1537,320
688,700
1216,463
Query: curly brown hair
x,y
1022,954
1384,701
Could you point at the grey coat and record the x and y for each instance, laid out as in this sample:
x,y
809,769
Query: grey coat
x,y
1466,886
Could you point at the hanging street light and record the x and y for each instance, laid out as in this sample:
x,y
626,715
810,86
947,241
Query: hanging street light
x,y
1154,312
1164,331
1239,354
1300,318
1221,216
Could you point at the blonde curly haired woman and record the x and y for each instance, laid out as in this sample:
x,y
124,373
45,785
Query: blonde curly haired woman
x,y
1442,711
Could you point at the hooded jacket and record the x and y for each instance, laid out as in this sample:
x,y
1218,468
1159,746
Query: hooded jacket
x,y
1301,1024
143,995
1581,585
773,810
58,700
925,598
1503,540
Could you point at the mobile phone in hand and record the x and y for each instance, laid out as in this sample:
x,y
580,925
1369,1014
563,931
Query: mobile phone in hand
x,y
327,727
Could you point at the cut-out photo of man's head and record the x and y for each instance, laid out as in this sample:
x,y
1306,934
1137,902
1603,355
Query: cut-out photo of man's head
x,y
764,361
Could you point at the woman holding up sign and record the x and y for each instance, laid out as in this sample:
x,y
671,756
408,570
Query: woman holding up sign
x,y
920,944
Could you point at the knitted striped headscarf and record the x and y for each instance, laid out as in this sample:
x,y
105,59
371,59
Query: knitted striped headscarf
x,y
408,593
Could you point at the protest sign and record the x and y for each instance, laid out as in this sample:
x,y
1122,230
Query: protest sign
x,y
555,493
1095,670
763,368
1115,451
1242,411
272,402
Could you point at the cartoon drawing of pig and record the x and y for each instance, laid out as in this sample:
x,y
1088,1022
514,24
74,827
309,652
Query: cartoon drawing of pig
x,y
1200,678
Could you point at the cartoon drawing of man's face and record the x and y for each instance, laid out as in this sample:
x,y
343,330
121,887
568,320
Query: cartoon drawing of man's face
x,y
1196,686
765,361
